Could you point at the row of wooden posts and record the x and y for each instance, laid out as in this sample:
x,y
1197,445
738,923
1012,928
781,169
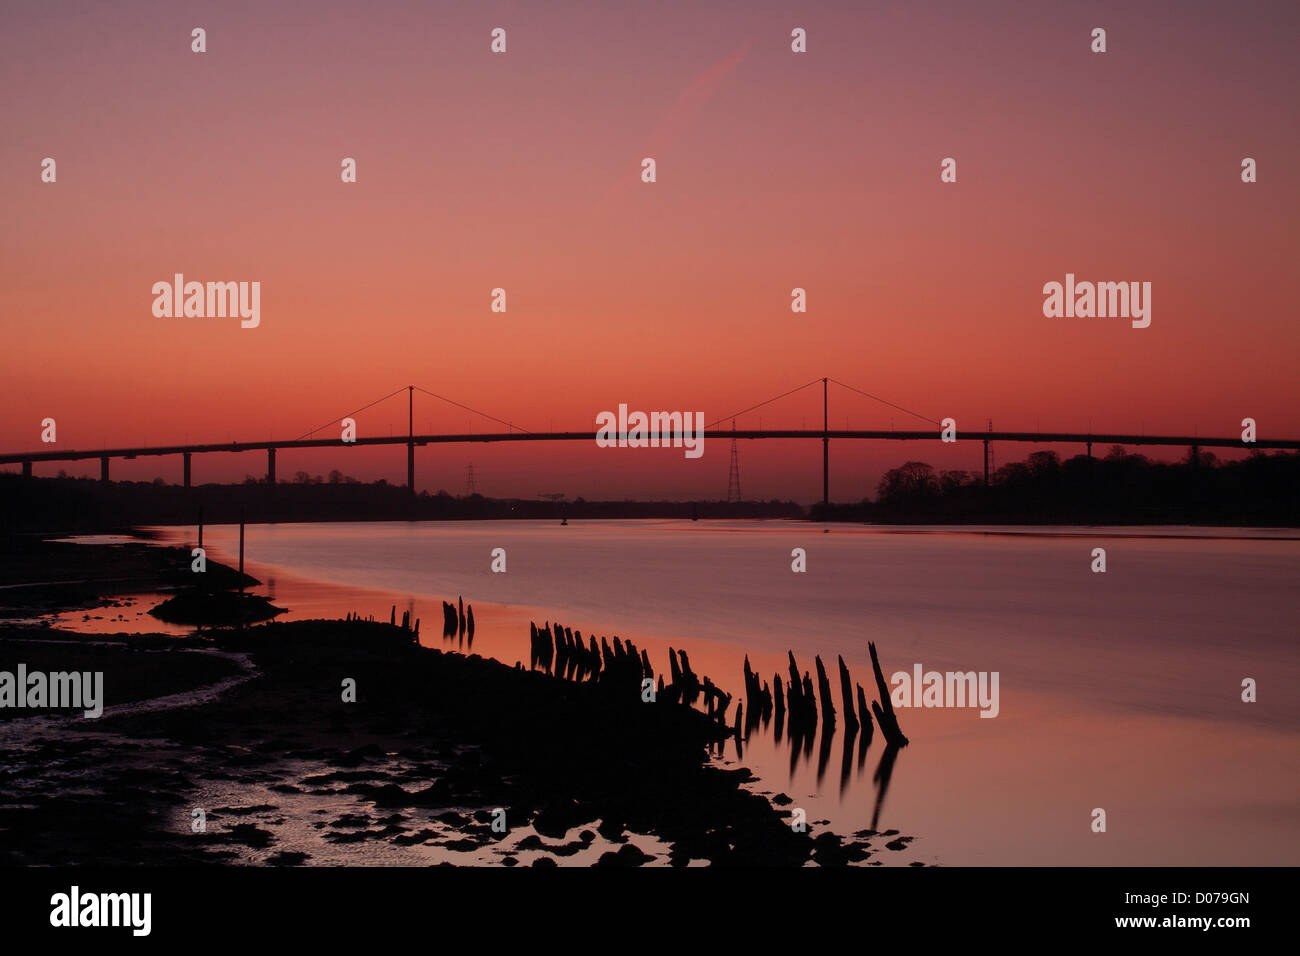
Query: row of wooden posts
x,y
564,652
796,698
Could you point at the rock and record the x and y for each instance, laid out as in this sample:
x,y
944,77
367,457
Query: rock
x,y
628,855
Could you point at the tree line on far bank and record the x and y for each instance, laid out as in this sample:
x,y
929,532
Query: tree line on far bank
x,y
1118,488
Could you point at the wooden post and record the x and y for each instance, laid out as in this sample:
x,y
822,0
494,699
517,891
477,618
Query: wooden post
x,y
884,710
241,550
824,692
846,692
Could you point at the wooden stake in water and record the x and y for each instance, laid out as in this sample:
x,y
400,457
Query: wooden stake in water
x,y
241,551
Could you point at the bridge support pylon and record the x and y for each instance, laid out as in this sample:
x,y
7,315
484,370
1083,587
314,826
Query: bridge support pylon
x,y
103,469
270,467
410,435
826,451
187,469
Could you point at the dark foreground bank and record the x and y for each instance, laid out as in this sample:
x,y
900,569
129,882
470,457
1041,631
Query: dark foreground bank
x,y
436,750
345,742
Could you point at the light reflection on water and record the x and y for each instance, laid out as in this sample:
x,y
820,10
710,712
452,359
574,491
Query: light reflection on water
x,y
1118,690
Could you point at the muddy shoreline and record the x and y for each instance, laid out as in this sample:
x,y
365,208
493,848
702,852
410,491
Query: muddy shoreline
x,y
431,758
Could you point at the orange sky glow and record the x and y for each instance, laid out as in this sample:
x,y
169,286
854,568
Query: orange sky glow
x,y
522,171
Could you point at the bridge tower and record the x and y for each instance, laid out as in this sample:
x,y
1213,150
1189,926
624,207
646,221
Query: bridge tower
x,y
826,451
410,439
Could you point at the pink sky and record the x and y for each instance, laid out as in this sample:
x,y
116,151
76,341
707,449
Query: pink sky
x,y
521,171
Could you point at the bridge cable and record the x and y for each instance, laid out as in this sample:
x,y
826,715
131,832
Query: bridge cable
x,y
350,414
884,402
474,410
761,404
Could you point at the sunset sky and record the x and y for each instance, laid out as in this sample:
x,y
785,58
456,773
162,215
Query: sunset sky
x,y
522,170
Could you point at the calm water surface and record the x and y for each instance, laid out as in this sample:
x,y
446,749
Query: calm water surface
x,y
1119,690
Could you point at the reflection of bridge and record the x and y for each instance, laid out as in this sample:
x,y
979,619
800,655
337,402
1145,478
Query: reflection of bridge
x,y
825,434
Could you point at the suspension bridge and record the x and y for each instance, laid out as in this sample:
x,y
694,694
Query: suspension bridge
x,y
514,433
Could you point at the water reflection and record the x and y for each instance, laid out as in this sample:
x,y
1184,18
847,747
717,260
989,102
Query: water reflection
x,y
458,623
794,714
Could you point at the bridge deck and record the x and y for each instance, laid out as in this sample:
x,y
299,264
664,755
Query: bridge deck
x,y
1042,438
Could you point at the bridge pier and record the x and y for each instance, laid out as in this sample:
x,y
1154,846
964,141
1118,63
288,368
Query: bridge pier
x,y
410,467
27,469
187,469
986,463
103,469
270,467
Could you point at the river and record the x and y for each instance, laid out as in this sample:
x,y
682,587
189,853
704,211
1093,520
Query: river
x,y
1120,691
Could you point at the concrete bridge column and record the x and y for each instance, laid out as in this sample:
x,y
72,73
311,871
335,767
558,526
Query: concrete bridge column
x,y
986,463
103,469
187,469
270,467
410,467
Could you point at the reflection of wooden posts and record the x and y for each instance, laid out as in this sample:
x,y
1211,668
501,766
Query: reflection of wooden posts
x,y
241,551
